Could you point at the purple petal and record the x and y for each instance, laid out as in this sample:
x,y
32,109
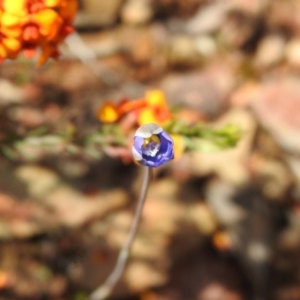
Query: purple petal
x,y
166,136
138,143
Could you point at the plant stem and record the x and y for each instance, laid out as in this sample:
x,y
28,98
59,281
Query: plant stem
x,y
104,290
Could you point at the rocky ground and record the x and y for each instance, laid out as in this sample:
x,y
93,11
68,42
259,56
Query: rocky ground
x,y
216,226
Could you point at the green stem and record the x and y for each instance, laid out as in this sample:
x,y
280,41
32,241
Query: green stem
x,y
105,290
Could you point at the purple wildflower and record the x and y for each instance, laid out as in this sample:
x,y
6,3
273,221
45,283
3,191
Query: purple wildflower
x,y
152,146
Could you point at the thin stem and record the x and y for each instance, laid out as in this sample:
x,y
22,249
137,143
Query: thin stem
x,y
104,290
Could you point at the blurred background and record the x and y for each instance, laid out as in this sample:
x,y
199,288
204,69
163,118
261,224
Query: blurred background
x,y
216,226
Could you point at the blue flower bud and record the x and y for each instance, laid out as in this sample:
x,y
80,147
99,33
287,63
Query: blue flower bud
x,y
152,146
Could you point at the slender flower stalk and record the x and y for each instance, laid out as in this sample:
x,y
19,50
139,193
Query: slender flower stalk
x,y
152,148
104,290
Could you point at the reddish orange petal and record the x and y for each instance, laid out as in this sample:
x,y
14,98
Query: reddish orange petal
x,y
47,51
162,113
35,7
29,52
68,10
30,33
128,106
66,29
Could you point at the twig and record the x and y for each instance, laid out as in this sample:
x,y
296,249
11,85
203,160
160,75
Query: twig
x,y
104,290
88,57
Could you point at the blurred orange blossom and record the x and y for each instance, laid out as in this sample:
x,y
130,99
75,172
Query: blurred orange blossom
x,y
26,25
152,108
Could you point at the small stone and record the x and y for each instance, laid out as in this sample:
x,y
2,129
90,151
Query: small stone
x,y
136,12
249,7
140,276
162,216
206,92
27,116
98,13
5,230
24,229
274,175
208,18
65,199
147,246
219,197
205,45
163,189
270,51
244,94
201,215
144,47
236,31
182,51
216,291
69,206
282,14
258,252
40,181
116,229
57,286
276,107
293,52
10,93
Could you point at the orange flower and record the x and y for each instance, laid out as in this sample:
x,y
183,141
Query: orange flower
x,y
10,33
30,24
151,109
108,112
156,109
222,241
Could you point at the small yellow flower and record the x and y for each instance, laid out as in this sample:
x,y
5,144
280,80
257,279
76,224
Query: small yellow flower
x,y
108,113
156,98
147,115
179,145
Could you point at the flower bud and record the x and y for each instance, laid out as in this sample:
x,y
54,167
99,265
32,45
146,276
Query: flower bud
x,y
152,146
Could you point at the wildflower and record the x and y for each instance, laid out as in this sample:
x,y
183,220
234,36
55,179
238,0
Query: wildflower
x,y
108,112
179,145
222,241
26,25
151,109
152,146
